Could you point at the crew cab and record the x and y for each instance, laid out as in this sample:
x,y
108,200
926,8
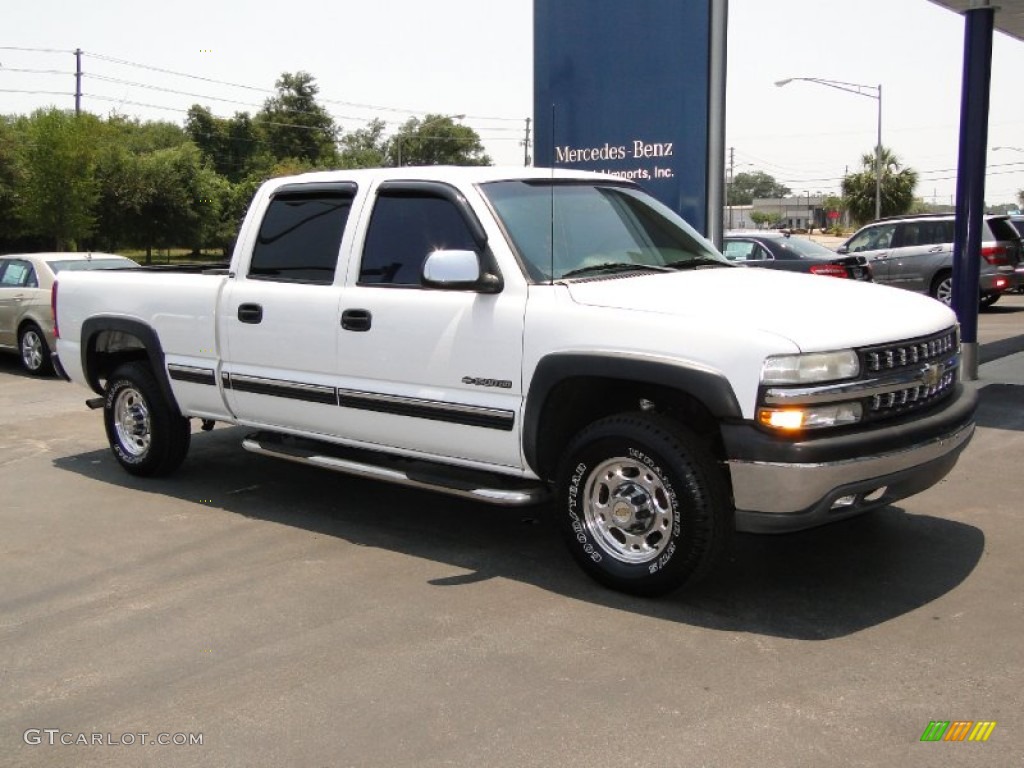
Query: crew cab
x,y
519,336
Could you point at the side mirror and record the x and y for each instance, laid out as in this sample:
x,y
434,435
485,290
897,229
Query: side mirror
x,y
842,249
457,271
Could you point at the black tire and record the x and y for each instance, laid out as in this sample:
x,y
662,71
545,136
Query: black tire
x,y
148,436
672,518
34,350
942,288
989,299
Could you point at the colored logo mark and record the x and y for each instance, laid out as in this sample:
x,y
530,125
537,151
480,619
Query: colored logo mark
x,y
958,730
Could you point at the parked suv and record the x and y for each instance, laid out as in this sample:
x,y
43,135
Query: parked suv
x,y
916,252
1017,221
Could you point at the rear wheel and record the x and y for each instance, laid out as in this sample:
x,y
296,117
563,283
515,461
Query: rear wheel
x,y
35,352
147,434
644,507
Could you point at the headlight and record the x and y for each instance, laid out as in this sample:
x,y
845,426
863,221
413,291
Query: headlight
x,y
810,368
810,417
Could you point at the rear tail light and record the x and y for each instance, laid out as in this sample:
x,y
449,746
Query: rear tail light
x,y
995,255
53,309
1001,282
829,270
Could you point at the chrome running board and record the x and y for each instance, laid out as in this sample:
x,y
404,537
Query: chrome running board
x,y
487,487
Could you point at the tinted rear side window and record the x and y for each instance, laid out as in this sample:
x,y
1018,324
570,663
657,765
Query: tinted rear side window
x,y
1001,229
300,238
404,230
925,232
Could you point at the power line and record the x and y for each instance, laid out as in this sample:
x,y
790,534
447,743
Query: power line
x,y
34,50
377,107
36,71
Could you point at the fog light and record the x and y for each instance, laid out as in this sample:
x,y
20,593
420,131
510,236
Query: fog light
x,y
844,501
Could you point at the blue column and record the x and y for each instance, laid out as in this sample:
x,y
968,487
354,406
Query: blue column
x,y
970,184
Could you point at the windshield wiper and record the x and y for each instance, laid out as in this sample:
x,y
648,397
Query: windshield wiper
x,y
615,266
702,261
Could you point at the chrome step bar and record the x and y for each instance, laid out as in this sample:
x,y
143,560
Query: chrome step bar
x,y
455,481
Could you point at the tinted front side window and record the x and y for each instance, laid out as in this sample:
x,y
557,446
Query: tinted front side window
x,y
404,230
300,238
872,239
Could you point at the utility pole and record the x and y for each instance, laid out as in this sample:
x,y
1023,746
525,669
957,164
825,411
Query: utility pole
x,y
78,81
728,188
526,144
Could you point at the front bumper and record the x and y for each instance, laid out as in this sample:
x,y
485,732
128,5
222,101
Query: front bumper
x,y
781,486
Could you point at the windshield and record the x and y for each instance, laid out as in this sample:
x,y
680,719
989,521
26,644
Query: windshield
x,y
77,265
597,228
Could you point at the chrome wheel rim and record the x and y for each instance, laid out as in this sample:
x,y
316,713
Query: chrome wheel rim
x,y
628,510
131,421
944,291
32,350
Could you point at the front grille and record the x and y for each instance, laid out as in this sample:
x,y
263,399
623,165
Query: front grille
x,y
910,399
894,357
908,357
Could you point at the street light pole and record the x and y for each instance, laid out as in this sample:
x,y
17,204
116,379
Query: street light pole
x,y
859,90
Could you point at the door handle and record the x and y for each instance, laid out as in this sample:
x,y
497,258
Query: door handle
x,y
879,256
936,249
356,319
250,313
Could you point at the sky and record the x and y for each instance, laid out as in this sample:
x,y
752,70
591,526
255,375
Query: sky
x,y
394,59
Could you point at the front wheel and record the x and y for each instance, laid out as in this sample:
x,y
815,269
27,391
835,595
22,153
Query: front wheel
x,y
644,507
147,434
942,288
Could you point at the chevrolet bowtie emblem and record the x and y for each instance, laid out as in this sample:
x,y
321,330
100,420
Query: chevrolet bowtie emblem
x,y
931,375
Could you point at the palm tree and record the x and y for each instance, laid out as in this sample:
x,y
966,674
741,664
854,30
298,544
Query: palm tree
x,y
898,185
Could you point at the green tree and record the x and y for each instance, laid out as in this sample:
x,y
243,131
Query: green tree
x,y
436,140
60,189
897,187
746,186
11,181
293,124
365,147
159,199
231,147
761,218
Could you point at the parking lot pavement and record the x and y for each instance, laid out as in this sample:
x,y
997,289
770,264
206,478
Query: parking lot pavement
x,y
286,616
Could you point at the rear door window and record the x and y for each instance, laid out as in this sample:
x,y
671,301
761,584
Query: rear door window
x,y
300,236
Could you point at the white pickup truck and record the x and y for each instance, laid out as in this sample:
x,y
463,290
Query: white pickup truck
x,y
513,335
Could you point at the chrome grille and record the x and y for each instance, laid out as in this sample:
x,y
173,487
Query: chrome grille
x,y
937,351
893,357
912,398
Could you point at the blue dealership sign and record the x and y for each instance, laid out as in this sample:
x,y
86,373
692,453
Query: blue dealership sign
x,y
625,88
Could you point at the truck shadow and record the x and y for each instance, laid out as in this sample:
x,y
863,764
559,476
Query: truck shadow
x,y
815,585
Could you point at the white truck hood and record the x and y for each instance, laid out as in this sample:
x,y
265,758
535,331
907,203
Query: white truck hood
x,y
816,313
